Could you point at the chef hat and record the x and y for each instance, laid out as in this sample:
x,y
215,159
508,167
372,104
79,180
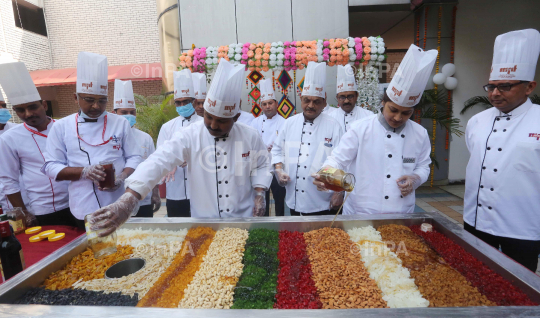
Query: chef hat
x,y
92,73
223,98
515,55
2,97
315,80
345,79
17,84
183,84
123,94
199,85
267,91
412,75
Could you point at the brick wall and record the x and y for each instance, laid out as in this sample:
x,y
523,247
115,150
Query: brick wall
x,y
68,106
393,60
123,30
24,46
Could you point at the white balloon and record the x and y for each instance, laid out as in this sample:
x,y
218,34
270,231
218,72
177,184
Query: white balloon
x,y
439,78
450,83
449,69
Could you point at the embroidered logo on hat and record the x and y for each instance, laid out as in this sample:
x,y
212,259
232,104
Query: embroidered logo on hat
x,y
230,108
319,89
306,88
185,91
340,86
396,92
414,98
87,85
211,103
533,135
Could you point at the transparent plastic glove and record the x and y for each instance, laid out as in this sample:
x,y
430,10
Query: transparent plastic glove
x,y
31,220
95,173
281,177
168,177
155,200
336,200
114,215
318,182
407,184
118,182
259,208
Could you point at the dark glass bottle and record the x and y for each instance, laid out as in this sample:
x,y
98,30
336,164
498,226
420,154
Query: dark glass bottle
x,y
11,255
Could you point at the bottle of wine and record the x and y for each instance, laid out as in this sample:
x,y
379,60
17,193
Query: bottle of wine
x,y
11,254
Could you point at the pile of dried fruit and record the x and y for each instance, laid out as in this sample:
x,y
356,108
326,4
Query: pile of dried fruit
x,y
340,276
439,283
85,267
78,297
257,286
489,283
295,289
168,291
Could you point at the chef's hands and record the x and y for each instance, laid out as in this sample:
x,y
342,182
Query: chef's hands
x,y
336,200
106,220
118,182
168,177
155,200
259,208
317,181
407,184
281,177
94,173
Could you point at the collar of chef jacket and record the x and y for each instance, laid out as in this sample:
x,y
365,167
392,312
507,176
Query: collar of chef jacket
x,y
383,122
521,109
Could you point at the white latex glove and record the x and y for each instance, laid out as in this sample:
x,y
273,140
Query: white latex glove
x,y
106,220
155,200
336,200
407,184
259,208
281,177
94,173
118,182
168,177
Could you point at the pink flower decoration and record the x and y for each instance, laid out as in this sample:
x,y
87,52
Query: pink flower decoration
x,y
245,50
293,43
326,43
287,43
287,63
244,56
287,55
195,63
293,56
287,69
357,40
294,68
247,44
326,57
326,51
357,63
243,62
202,55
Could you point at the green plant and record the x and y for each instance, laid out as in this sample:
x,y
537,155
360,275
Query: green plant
x,y
483,101
153,112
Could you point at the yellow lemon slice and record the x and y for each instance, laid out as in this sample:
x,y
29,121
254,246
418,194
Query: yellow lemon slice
x,y
56,237
36,238
46,234
33,230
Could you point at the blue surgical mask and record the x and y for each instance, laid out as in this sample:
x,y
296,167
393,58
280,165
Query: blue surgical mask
x,y
185,111
131,118
5,115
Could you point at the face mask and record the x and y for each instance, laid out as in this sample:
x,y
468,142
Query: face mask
x,y
131,118
4,115
185,111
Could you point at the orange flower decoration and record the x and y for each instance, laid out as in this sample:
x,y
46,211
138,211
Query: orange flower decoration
x,y
367,49
183,64
268,45
266,50
333,58
258,69
258,56
182,57
188,63
367,57
265,63
258,63
333,51
250,54
252,47
251,62
266,56
190,53
301,67
331,64
258,51
251,68
260,44
366,43
266,69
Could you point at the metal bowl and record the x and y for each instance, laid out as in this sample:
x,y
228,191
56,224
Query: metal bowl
x,y
125,267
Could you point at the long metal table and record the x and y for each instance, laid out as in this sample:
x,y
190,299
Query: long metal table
x,y
522,278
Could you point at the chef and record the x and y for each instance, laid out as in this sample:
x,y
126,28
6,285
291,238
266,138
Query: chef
x,y
389,154
347,95
268,126
199,86
228,162
503,174
124,105
23,148
245,118
5,125
178,191
78,143
303,143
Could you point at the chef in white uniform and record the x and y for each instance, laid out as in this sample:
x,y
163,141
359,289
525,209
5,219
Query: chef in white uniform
x,y
388,153
268,126
303,143
5,125
245,117
124,105
199,86
502,203
347,95
78,143
227,160
23,149
178,191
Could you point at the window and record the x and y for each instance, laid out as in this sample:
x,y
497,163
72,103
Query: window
x,y
29,17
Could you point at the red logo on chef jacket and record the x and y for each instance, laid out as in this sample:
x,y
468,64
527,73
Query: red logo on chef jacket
x,y
533,135
116,140
328,142
246,155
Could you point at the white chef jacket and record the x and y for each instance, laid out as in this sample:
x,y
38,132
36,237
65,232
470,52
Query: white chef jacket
x,y
328,109
64,149
4,202
302,147
146,143
346,120
224,171
245,118
503,173
23,149
179,188
268,128
377,155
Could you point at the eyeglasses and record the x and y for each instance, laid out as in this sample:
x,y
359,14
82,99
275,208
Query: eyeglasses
x,y
506,87
342,98
92,101
182,102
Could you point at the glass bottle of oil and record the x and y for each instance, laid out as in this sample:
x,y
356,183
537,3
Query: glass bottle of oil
x,y
337,179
